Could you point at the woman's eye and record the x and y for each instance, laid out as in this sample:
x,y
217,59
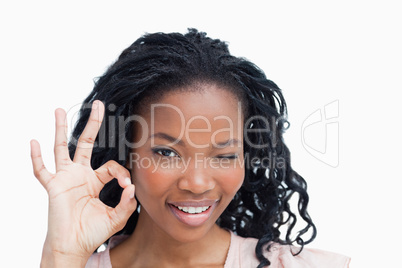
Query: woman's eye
x,y
229,156
166,152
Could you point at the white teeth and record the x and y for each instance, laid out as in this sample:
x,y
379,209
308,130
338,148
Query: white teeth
x,y
193,210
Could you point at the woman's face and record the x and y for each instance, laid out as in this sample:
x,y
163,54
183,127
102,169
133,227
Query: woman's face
x,y
188,163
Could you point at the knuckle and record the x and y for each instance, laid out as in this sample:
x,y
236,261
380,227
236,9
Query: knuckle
x,y
37,172
112,162
114,220
94,120
85,157
65,161
60,144
61,125
117,169
89,140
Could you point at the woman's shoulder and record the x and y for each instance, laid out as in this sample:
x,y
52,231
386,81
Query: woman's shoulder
x,y
102,259
242,254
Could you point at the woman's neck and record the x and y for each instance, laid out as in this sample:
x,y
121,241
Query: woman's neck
x,y
150,246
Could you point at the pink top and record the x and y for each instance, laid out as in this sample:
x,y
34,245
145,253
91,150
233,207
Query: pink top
x,y
242,255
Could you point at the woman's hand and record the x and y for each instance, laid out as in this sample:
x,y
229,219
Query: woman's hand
x,y
78,221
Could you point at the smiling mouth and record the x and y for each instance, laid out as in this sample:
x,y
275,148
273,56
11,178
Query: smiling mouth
x,y
193,214
193,210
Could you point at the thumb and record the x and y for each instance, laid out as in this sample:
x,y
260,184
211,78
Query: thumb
x,y
126,207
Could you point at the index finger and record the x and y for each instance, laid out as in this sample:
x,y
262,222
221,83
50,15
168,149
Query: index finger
x,y
60,143
87,139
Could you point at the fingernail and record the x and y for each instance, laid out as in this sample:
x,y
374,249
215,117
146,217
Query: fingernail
x,y
127,181
95,105
132,195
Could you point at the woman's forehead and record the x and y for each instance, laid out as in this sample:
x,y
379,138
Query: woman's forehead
x,y
196,115
202,101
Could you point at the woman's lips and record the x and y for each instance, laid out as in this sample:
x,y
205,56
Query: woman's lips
x,y
193,213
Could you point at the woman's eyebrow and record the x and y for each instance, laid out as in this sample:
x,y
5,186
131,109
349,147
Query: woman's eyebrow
x,y
229,142
167,137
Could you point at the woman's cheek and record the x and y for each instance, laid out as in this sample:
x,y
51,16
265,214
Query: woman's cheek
x,y
232,179
154,178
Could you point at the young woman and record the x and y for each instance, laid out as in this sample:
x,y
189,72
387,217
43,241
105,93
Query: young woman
x,y
177,160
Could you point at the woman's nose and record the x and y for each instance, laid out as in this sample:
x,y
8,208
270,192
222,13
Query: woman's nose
x,y
197,178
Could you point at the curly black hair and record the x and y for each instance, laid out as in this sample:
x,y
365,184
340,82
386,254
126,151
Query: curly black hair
x,y
159,62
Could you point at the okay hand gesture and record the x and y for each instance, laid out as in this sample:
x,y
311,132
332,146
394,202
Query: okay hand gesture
x,y
78,221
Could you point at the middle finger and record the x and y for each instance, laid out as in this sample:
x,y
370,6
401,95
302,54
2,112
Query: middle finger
x,y
87,139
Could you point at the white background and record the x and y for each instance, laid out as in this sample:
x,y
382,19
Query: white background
x,y
318,53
